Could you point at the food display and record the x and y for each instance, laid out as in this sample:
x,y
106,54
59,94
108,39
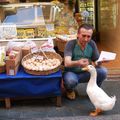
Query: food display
x,y
42,32
40,63
25,33
43,61
37,22
2,55
60,30
67,37
2,59
21,33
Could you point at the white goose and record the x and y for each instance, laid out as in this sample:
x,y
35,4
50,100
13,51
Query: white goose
x,y
98,97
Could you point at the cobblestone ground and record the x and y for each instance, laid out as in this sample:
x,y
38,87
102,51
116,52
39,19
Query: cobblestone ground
x,y
45,109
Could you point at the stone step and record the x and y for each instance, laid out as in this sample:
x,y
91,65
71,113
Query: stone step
x,y
114,74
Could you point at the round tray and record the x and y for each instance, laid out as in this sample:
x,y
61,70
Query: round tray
x,y
49,55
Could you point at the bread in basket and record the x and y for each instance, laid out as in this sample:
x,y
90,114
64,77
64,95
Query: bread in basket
x,y
40,64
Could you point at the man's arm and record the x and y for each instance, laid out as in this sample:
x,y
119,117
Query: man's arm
x,y
68,62
95,55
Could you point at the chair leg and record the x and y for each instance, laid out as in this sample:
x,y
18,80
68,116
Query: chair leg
x,y
58,101
7,103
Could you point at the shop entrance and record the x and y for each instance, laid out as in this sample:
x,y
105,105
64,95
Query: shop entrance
x,y
104,16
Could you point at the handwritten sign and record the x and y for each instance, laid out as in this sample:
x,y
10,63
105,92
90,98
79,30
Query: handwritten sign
x,y
8,31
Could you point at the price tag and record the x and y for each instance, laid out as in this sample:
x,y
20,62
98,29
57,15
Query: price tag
x,y
11,72
1,31
50,27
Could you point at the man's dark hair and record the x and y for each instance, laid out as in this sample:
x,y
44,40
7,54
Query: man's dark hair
x,y
86,26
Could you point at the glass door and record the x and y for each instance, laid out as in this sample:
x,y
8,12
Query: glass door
x,y
87,11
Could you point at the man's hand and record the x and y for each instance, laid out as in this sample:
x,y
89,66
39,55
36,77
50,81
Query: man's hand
x,y
104,60
76,63
83,62
100,62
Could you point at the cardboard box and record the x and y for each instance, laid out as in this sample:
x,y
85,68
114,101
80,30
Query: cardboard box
x,y
2,69
12,65
12,70
25,51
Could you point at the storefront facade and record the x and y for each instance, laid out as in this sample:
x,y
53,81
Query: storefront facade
x,y
105,15
107,25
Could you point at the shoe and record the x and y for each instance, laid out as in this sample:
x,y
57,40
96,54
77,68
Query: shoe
x,y
71,95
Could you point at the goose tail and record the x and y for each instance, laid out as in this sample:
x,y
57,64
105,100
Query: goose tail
x,y
109,105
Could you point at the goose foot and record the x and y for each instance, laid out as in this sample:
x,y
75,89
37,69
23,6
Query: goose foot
x,y
96,112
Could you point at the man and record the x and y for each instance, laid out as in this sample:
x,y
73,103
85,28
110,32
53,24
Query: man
x,y
78,54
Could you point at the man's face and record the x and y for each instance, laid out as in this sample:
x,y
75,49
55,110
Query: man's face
x,y
84,36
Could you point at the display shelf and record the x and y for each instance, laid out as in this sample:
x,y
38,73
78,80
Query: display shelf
x,y
37,22
33,39
27,4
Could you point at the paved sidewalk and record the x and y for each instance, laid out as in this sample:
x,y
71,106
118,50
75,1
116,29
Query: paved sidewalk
x,y
111,117
45,109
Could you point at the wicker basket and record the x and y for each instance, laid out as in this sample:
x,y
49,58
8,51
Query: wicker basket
x,y
49,55
60,44
61,41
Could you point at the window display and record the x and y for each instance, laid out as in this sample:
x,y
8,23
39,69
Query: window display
x,y
87,10
39,20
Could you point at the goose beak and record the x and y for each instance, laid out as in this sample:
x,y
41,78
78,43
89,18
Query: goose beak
x,y
85,69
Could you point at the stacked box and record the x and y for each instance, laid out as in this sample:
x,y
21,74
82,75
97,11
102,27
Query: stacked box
x,y
12,65
25,51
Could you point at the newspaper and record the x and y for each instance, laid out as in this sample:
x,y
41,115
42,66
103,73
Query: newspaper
x,y
106,56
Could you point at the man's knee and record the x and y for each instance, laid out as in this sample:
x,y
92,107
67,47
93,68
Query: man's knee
x,y
70,80
102,72
101,75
